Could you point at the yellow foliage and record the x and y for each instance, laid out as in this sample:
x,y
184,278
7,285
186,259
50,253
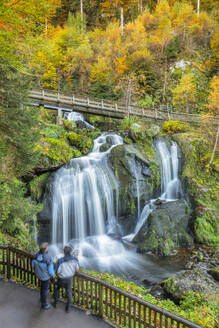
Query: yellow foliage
x,y
121,65
213,98
162,9
99,71
184,95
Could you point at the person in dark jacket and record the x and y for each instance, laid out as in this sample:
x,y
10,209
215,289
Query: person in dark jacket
x,y
44,271
66,268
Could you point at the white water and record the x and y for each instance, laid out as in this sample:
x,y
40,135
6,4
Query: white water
x,y
75,116
170,184
85,209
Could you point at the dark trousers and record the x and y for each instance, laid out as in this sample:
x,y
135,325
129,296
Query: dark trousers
x,y
67,284
44,285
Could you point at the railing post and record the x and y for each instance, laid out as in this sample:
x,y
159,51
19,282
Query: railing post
x,y
88,101
102,105
43,93
8,263
73,99
100,300
116,107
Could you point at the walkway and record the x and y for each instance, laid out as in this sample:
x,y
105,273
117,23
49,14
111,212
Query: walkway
x,y
19,308
64,103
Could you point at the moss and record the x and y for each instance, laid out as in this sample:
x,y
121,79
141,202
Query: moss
x,y
69,125
202,185
37,185
82,142
206,229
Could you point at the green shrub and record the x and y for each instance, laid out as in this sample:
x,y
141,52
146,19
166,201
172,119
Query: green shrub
x,y
127,122
37,185
69,125
172,127
206,229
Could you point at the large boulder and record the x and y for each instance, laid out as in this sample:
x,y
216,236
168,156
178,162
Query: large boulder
x,y
137,182
195,280
165,229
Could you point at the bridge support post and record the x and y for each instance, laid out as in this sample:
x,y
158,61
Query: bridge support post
x,y
59,117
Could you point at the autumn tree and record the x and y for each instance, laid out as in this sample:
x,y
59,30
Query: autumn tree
x,y
111,8
184,95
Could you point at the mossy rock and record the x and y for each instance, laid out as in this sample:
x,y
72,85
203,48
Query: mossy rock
x,y
206,228
69,125
37,186
193,280
214,273
129,164
165,229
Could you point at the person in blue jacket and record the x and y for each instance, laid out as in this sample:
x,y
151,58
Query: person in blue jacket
x,y
66,268
44,270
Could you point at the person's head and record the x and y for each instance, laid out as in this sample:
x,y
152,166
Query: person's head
x,y
67,250
44,247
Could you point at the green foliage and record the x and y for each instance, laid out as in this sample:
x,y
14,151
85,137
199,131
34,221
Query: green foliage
x,y
105,90
147,101
83,141
37,186
193,307
172,127
206,229
69,125
127,122
173,49
59,150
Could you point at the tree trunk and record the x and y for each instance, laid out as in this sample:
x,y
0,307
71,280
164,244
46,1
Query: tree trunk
x,y
215,147
122,19
141,6
82,11
198,7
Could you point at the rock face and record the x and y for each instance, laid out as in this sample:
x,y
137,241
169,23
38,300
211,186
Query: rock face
x,y
165,229
196,280
137,183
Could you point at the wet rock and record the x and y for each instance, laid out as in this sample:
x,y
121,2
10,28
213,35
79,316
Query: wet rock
x,y
128,165
214,273
105,147
195,280
165,229
153,131
158,202
134,132
146,171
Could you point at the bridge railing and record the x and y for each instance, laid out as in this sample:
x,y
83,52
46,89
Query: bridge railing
x,y
119,108
101,298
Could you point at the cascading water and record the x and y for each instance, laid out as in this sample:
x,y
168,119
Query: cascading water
x,y
83,198
75,116
85,209
170,184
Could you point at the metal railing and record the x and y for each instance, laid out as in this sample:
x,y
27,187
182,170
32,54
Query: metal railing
x,y
119,109
105,300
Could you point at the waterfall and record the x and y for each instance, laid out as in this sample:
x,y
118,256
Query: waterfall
x,y
170,184
83,197
75,116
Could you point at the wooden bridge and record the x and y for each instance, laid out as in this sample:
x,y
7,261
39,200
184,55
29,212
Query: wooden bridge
x,y
66,103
